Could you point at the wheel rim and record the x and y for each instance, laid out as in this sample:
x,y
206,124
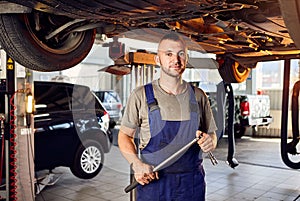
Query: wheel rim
x,y
90,159
62,44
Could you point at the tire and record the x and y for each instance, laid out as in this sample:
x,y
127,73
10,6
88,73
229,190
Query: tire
x,y
28,46
88,160
232,72
290,10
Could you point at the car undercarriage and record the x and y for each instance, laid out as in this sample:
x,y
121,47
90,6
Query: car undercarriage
x,y
56,35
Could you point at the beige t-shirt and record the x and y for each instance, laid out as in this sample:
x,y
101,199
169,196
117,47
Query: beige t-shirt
x,y
172,108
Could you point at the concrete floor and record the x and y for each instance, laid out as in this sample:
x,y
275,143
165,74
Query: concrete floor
x,y
260,175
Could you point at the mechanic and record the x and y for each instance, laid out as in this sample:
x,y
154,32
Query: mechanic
x,y
169,113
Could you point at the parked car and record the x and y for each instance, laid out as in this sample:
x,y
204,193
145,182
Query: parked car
x,y
112,102
250,110
71,129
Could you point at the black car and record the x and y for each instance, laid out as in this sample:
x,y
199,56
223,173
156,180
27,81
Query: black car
x,y
71,129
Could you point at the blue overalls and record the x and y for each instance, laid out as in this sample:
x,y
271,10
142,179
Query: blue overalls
x,y
184,179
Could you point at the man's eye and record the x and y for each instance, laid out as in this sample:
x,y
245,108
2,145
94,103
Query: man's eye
x,y
181,54
169,54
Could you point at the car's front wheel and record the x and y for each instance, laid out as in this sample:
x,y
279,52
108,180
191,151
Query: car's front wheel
x,y
88,160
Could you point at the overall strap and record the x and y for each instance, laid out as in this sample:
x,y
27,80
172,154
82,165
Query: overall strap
x,y
151,101
194,107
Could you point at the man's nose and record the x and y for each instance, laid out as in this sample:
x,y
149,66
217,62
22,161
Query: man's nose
x,y
177,59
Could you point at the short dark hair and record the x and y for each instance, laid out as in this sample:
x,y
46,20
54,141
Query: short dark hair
x,y
174,37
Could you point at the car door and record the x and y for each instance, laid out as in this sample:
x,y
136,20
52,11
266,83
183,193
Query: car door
x,y
53,124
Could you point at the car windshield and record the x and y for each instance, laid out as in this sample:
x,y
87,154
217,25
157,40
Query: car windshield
x,y
108,96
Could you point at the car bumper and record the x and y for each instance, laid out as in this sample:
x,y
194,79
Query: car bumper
x,y
262,121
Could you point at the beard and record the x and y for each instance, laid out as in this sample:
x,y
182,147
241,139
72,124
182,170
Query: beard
x,y
174,70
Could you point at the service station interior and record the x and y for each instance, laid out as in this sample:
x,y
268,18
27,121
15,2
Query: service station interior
x,y
131,70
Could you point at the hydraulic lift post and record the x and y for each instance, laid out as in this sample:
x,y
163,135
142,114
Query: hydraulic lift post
x,y
19,164
9,141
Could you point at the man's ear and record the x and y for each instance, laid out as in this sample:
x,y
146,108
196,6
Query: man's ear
x,y
187,58
157,61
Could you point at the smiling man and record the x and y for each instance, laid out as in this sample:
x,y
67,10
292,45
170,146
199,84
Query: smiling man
x,y
170,113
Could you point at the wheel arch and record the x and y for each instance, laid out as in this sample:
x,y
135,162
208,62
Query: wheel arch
x,y
97,135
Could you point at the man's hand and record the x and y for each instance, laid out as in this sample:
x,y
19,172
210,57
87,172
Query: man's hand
x,y
206,142
143,173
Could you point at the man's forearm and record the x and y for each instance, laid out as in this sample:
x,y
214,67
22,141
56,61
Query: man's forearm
x,y
128,148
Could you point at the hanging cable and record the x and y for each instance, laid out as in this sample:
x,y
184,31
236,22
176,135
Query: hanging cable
x,y
13,152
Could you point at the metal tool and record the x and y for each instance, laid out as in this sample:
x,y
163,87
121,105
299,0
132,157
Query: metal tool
x,y
173,158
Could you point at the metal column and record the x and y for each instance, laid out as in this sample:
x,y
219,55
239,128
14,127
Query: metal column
x,y
18,138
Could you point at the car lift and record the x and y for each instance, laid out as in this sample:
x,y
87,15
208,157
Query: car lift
x,y
16,135
49,179
223,90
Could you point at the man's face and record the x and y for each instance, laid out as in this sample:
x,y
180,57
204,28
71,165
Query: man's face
x,y
172,57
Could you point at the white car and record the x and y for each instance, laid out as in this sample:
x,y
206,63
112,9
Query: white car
x,y
112,103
